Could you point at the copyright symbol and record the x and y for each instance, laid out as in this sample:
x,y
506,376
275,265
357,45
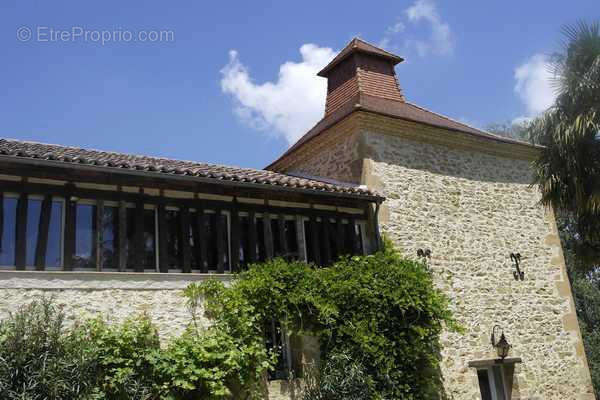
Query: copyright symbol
x,y
23,34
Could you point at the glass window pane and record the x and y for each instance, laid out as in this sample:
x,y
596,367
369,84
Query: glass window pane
x,y
174,254
291,238
484,384
85,233
213,240
498,381
55,236
349,236
310,257
130,237
260,240
149,239
34,210
335,253
223,220
8,239
110,236
277,246
244,241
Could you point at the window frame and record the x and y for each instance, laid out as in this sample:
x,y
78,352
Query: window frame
x,y
491,378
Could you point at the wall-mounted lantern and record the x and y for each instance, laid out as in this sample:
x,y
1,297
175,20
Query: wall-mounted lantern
x,y
518,274
502,346
424,253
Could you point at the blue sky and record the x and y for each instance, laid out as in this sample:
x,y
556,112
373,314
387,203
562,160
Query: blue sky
x,y
230,84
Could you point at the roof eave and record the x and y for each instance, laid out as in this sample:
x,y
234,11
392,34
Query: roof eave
x,y
188,178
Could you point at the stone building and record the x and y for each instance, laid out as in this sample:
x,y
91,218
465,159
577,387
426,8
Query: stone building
x,y
116,233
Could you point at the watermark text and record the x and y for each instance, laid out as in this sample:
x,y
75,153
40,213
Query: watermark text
x,y
47,34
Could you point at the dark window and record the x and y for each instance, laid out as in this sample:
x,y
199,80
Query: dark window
x,y
149,239
8,238
291,237
85,235
244,241
491,383
54,246
149,251
308,237
213,240
174,239
277,342
54,243
130,237
34,211
109,221
261,253
277,245
484,384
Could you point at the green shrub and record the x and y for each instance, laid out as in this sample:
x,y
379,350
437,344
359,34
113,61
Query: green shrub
x,y
382,309
339,378
40,359
125,356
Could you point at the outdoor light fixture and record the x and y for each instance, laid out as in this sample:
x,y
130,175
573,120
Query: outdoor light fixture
x,y
502,346
518,274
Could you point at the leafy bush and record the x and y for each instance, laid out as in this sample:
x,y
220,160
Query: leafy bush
x,y
125,355
378,318
39,358
382,309
339,378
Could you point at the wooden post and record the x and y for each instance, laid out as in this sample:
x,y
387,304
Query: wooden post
x,y
21,232
326,245
252,237
138,245
70,221
268,236
220,232
282,236
314,231
1,218
99,233
43,228
339,238
184,214
201,246
300,238
122,242
355,240
163,256
235,237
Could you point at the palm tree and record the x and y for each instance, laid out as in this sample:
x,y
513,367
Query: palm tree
x,y
568,169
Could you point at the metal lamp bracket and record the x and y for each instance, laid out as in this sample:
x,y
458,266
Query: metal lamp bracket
x,y
518,274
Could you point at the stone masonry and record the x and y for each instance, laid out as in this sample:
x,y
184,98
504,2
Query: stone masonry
x,y
471,202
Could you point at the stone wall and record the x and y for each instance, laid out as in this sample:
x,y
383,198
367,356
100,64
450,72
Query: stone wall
x,y
118,296
114,295
472,210
471,202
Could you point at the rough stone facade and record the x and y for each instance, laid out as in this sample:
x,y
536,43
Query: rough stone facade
x,y
116,296
471,202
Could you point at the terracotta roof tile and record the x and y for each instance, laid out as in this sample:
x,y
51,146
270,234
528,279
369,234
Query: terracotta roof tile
x,y
111,160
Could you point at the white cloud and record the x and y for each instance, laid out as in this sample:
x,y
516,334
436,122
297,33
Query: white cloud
x,y
533,86
440,41
288,107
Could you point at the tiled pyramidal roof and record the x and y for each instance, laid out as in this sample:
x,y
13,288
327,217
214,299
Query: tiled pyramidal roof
x,y
362,77
104,159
